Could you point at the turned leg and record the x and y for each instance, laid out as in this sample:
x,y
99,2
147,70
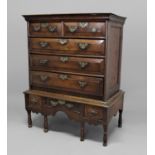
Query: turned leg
x,y
45,123
29,119
105,135
120,118
82,131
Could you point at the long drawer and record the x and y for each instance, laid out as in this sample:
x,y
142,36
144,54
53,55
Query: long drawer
x,y
67,82
66,63
68,46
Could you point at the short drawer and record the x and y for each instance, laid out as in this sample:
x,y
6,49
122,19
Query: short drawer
x,y
35,103
58,104
84,29
67,63
68,46
67,82
93,112
45,29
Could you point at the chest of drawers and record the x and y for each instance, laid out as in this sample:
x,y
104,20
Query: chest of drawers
x,y
74,67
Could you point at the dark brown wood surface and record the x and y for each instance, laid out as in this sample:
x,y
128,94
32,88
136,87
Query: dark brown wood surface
x,y
113,59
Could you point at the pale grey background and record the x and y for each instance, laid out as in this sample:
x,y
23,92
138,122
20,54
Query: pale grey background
x,y
63,135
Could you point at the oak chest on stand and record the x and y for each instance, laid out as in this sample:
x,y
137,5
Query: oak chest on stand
x,y
74,67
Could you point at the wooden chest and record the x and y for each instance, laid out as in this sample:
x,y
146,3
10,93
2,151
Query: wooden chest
x,y
74,67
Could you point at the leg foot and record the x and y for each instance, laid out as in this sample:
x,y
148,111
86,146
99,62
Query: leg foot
x,y
45,123
29,119
120,119
82,132
105,135
30,125
45,130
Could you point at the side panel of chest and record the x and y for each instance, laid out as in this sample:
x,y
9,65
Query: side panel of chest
x,y
113,59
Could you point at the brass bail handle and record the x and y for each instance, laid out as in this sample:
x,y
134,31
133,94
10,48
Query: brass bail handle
x,y
43,61
83,46
36,27
63,41
43,44
72,29
83,64
43,77
52,28
82,83
83,24
63,76
64,58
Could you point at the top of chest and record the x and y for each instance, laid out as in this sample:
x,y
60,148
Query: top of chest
x,y
77,17
74,16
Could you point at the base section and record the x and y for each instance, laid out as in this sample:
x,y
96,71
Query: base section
x,y
76,108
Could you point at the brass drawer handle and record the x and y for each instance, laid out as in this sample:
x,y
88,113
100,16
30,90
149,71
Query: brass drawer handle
x,y
36,28
52,28
43,44
83,64
93,112
63,76
83,46
72,28
63,41
53,103
83,24
34,100
69,105
43,61
43,77
61,102
78,112
64,59
82,83
94,30
44,25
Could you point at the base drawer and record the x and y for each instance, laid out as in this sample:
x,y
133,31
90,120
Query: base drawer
x,y
35,103
51,106
93,112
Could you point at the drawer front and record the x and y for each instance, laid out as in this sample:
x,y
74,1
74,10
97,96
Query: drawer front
x,y
65,63
93,112
67,82
68,46
63,105
84,29
35,103
45,29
